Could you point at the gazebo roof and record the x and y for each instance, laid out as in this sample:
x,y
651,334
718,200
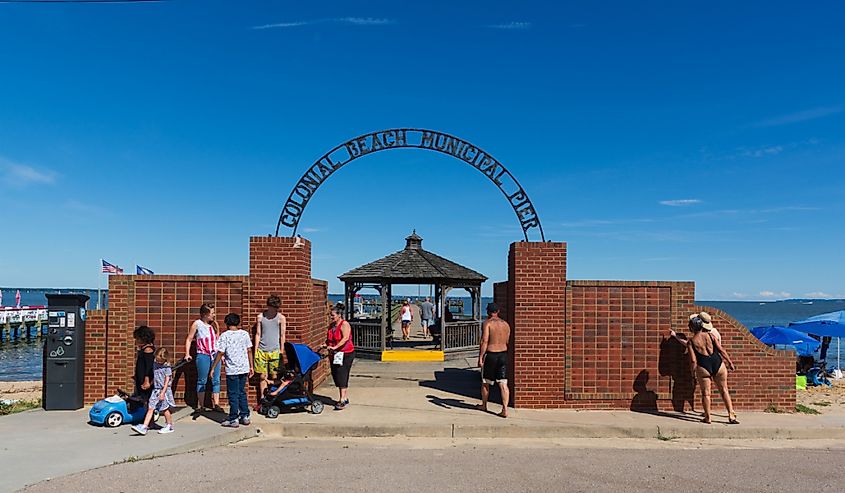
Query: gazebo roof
x,y
413,264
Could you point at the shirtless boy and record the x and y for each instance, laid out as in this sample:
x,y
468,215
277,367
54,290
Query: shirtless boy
x,y
493,357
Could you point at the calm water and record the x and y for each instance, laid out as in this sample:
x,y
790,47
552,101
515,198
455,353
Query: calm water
x,y
22,360
36,296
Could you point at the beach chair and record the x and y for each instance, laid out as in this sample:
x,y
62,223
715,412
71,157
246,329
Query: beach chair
x,y
817,376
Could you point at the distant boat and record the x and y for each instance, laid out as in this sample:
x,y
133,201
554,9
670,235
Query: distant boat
x,y
806,302
762,302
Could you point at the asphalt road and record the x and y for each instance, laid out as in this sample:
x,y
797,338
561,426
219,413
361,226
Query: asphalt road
x,y
414,465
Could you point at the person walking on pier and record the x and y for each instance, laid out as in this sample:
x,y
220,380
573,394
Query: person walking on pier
x,y
269,340
206,332
406,316
493,357
427,316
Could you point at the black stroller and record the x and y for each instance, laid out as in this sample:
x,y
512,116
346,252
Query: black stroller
x,y
295,394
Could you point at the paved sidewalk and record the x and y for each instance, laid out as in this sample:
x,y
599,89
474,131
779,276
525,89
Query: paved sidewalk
x,y
433,400
38,445
437,399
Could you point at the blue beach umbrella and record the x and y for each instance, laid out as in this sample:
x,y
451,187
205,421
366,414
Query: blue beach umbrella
x,y
774,335
820,328
837,316
830,324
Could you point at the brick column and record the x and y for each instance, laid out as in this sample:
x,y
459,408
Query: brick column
x,y
120,346
282,266
537,308
95,356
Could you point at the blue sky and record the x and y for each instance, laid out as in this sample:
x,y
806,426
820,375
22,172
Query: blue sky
x,y
661,140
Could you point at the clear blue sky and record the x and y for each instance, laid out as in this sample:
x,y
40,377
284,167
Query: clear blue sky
x,y
661,140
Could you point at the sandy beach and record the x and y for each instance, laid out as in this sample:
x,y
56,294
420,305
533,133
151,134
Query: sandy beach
x,y
26,391
824,399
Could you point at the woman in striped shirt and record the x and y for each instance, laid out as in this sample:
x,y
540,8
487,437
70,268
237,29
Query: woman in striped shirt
x,y
206,332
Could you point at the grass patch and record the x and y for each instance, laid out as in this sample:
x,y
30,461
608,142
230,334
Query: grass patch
x,y
19,406
664,438
771,408
821,404
801,408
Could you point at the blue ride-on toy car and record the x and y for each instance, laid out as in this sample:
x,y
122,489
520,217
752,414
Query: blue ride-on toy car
x,y
119,409
123,408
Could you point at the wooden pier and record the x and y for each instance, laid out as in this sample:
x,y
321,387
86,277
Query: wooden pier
x,y
22,323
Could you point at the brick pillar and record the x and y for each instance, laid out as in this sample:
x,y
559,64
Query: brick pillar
x,y
120,346
537,308
95,356
501,290
282,266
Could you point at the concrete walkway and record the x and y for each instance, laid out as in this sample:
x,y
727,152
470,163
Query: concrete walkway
x,y
437,399
38,445
388,399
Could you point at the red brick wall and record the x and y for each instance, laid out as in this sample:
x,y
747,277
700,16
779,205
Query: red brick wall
x,y
500,298
120,348
282,266
614,333
611,348
95,356
169,304
537,280
319,324
585,344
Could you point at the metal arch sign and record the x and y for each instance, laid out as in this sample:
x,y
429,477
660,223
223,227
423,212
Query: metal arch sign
x,y
413,138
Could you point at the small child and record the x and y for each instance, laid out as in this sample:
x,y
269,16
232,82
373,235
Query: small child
x,y
280,384
235,345
162,396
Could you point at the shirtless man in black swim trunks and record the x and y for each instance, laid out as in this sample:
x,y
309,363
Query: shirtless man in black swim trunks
x,y
493,357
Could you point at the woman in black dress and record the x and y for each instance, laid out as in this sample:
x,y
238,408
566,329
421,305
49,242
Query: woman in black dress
x,y
145,342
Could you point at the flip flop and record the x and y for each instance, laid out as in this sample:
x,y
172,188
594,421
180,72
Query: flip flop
x,y
732,420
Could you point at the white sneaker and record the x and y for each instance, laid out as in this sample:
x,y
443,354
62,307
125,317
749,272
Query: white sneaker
x,y
139,429
166,429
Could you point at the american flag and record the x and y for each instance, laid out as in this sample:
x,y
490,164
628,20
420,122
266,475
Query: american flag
x,y
111,268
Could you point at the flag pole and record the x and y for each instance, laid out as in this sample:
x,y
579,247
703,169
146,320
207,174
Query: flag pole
x,y
99,283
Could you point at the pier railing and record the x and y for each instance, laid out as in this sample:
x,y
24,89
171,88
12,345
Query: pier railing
x,y
25,322
366,335
461,336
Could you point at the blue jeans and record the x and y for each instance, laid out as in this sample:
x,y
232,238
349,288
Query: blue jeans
x,y
203,365
235,389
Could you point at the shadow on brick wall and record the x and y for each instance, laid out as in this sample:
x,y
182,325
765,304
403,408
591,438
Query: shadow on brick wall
x,y
673,362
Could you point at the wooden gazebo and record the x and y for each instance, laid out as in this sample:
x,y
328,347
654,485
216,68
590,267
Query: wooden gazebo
x,y
414,265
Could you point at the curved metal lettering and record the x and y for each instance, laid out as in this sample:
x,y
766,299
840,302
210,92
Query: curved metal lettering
x,y
410,138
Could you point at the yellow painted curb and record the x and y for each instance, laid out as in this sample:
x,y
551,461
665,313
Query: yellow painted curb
x,y
399,355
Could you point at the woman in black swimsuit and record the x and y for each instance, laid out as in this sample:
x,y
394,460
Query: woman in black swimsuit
x,y
706,361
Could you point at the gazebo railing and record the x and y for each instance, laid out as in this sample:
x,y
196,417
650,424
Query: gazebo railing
x,y
366,335
459,336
